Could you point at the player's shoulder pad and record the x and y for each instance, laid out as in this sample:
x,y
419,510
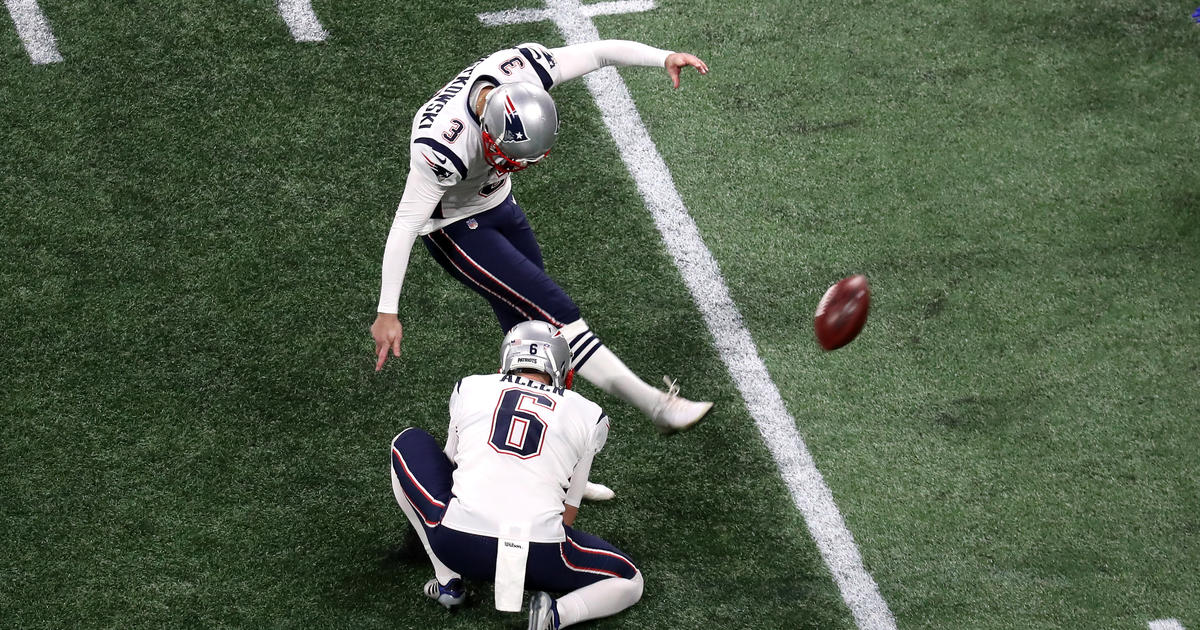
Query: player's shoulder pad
x,y
591,409
542,62
468,385
438,160
475,379
541,49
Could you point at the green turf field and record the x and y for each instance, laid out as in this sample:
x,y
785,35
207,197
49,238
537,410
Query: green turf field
x,y
194,208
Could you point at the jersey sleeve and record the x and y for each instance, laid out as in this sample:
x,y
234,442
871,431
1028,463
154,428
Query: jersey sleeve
x,y
452,431
422,192
579,479
599,434
577,60
438,163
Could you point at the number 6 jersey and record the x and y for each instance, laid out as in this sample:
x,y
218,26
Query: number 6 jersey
x,y
518,446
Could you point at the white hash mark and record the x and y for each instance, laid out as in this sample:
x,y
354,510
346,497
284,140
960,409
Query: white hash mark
x,y
34,31
302,21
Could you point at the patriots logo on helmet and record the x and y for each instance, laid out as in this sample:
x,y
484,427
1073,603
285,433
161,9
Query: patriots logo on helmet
x,y
514,129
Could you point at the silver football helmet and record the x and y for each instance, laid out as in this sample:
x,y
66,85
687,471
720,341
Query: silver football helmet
x,y
519,124
536,345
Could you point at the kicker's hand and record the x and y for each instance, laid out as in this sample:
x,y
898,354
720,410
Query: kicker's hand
x,y
387,332
677,61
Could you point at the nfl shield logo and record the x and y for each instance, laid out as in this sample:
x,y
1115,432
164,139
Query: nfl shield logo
x,y
472,224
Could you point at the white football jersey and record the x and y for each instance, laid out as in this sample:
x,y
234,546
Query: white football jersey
x,y
516,444
446,143
448,177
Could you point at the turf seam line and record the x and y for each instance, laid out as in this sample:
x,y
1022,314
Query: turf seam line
x,y
733,341
34,31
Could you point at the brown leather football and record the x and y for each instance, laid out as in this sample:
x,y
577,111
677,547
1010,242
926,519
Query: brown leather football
x,y
842,312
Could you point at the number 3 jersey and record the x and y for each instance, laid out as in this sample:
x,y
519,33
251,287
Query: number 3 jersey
x,y
446,143
518,445
449,178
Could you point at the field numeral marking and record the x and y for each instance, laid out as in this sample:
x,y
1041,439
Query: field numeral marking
x,y
1166,624
34,31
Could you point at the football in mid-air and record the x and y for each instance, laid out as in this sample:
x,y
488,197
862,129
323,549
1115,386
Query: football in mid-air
x,y
842,312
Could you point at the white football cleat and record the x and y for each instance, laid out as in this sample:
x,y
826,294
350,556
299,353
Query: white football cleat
x,y
674,413
542,615
597,492
450,595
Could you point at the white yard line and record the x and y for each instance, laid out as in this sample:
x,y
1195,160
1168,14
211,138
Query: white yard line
x,y
1166,624
34,31
524,16
302,21
514,16
711,294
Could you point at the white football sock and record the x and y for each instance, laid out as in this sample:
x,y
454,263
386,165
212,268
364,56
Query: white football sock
x,y
592,360
441,571
604,598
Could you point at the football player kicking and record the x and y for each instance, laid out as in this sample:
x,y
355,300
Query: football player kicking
x,y
493,119
498,502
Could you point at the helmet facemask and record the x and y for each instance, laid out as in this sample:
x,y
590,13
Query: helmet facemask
x,y
501,162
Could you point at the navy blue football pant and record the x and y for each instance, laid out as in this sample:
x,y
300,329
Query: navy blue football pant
x,y
496,255
424,473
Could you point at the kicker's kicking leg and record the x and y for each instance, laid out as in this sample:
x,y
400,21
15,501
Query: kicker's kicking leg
x,y
592,360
